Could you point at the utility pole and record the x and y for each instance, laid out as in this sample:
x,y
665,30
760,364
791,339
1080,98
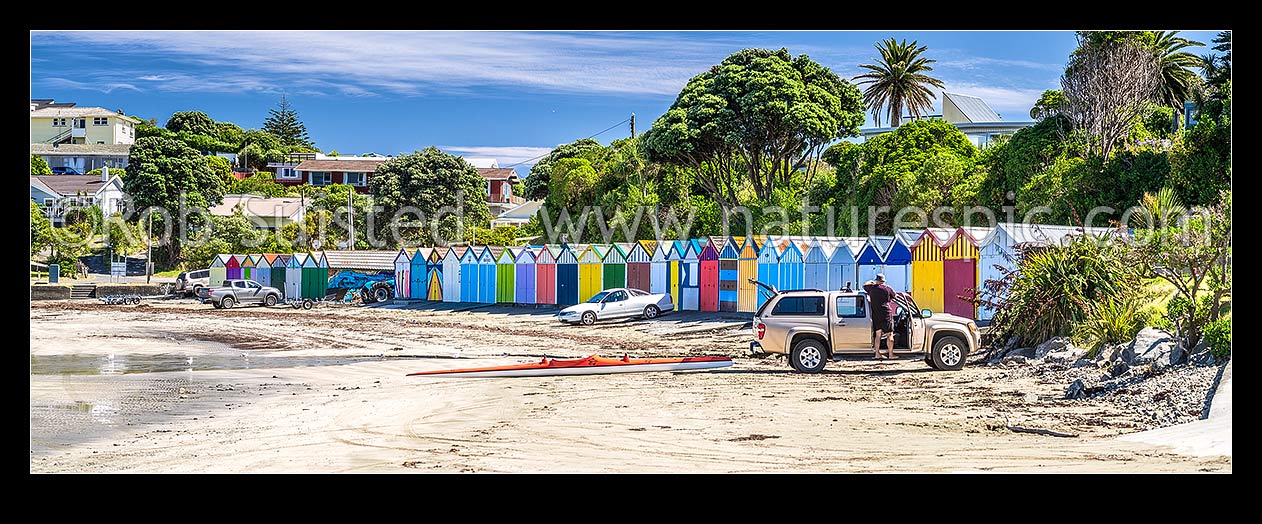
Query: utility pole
x,y
632,125
350,215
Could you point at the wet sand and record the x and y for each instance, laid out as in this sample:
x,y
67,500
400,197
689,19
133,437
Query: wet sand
x,y
180,387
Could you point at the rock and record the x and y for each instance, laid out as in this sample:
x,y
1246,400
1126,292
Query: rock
x,y
1053,344
1111,353
1155,347
1014,359
1076,390
1066,354
1118,369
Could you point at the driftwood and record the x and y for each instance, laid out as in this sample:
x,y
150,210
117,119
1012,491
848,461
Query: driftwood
x,y
1038,431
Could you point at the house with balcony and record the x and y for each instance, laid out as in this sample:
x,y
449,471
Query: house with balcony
x,y
56,194
265,213
67,123
971,115
83,157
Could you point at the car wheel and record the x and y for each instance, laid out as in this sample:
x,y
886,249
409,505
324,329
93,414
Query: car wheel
x,y
227,302
589,318
270,301
808,356
949,353
382,294
651,312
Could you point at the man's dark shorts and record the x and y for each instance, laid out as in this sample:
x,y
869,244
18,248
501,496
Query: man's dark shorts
x,y
883,323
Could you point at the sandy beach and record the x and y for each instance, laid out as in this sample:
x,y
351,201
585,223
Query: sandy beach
x,y
175,386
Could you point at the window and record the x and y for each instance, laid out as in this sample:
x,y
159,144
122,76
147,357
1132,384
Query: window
x,y
80,122
238,283
286,172
59,122
617,296
321,178
253,285
100,141
799,307
355,179
851,307
48,202
100,121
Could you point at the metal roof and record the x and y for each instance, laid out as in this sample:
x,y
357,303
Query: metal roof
x,y
363,260
973,108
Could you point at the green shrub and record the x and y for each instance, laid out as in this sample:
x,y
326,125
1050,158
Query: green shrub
x,y
1054,287
1218,338
1110,321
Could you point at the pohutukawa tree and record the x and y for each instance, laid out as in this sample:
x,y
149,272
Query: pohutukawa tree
x,y
753,120
898,81
1107,87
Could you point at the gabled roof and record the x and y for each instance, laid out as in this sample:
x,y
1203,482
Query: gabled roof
x,y
544,255
248,261
676,251
615,255
507,256
525,256
731,248
453,253
896,252
296,260
420,257
564,254
58,111
590,255
354,165
70,185
973,108
789,251
638,253
818,252
469,255
404,255
708,252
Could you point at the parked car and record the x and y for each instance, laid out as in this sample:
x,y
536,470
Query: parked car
x,y
189,282
813,327
617,303
66,170
235,292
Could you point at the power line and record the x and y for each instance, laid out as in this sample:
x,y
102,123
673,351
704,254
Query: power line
x,y
594,135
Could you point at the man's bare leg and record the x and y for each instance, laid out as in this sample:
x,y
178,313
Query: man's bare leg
x,y
890,346
876,345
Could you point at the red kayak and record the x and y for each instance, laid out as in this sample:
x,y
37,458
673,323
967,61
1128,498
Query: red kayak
x,y
592,365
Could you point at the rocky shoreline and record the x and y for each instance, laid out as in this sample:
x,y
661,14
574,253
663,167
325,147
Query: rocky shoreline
x,y
1151,375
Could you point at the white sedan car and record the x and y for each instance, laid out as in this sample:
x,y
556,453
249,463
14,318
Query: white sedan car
x,y
618,302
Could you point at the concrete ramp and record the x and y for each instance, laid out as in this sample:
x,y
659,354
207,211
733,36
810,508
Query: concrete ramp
x,y
1206,437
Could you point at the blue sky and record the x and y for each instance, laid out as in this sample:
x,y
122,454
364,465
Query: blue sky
x,y
509,95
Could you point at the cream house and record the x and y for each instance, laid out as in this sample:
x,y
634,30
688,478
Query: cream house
x,y
66,123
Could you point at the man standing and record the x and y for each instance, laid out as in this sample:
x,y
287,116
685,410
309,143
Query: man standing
x,y
881,302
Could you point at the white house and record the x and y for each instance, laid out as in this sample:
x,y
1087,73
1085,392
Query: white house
x,y
56,123
971,115
57,193
272,213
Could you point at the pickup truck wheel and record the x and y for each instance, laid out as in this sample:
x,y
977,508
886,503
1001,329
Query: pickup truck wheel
x,y
949,353
270,301
226,303
808,356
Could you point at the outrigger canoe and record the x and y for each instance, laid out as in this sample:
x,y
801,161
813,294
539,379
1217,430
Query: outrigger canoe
x,y
592,365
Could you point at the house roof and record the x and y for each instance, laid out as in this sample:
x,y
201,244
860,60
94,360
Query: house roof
x,y
498,173
77,112
254,205
356,165
72,184
364,260
522,212
973,108
81,149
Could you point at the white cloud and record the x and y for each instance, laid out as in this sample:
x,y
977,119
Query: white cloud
x,y
506,155
412,63
101,86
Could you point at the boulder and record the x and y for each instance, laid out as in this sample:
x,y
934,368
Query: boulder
x,y
1052,344
1112,353
1154,347
1014,359
1066,354
1075,390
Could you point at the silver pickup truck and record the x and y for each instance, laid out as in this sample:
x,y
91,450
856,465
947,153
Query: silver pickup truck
x,y
813,327
235,292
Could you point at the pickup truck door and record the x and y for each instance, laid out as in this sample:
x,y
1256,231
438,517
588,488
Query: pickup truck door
x,y
252,290
850,327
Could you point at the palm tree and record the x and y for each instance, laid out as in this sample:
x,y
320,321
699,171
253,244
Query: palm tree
x,y
898,81
1178,80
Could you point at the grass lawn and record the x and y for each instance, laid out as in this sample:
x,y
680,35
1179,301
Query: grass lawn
x,y
168,274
